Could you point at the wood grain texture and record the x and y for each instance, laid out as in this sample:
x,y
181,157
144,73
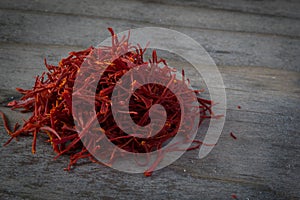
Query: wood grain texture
x,y
274,8
166,14
226,47
258,60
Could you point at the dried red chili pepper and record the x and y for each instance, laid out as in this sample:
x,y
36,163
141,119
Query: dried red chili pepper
x,y
50,101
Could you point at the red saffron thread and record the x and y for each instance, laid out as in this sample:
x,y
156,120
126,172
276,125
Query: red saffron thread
x,y
5,123
233,136
233,196
50,101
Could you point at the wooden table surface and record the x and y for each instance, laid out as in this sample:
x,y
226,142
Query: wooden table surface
x,y
256,47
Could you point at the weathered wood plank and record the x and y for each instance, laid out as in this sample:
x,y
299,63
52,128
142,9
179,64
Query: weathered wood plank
x,y
164,15
39,176
273,8
262,163
226,48
20,63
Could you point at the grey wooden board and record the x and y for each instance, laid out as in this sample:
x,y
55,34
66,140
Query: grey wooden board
x,y
275,8
226,47
260,68
166,14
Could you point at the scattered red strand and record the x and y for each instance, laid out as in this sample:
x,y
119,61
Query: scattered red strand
x,y
233,196
50,101
233,136
5,123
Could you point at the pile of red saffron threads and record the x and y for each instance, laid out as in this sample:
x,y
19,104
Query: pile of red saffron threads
x,y
50,101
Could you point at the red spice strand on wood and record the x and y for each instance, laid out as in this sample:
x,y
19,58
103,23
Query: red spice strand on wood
x,y
50,101
233,136
5,123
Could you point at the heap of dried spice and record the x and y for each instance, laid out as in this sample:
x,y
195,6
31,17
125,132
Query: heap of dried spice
x,y
50,101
